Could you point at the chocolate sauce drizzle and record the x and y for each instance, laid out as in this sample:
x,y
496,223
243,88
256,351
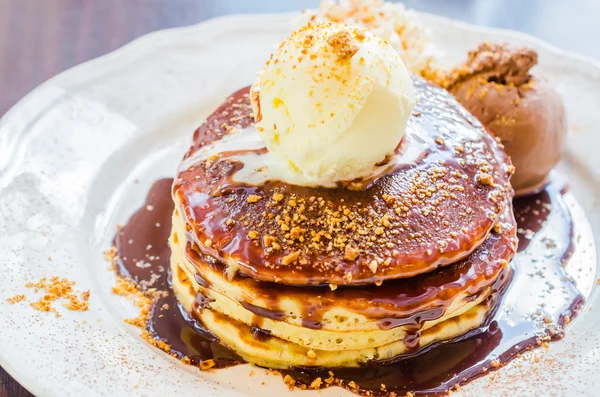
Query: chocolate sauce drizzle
x,y
430,201
540,291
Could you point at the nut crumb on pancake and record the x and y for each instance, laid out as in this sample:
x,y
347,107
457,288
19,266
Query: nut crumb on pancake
x,y
290,258
485,179
373,266
253,198
351,253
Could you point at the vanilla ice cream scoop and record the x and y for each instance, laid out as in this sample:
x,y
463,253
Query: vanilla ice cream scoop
x,y
332,101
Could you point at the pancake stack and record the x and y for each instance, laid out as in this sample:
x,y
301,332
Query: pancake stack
x,y
308,276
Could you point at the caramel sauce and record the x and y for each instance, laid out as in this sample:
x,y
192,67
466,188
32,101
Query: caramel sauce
x,y
260,334
272,314
434,370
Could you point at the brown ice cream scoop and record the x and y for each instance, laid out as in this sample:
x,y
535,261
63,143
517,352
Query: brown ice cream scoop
x,y
520,108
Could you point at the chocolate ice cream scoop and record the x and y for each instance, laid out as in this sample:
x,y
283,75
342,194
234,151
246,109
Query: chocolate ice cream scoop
x,y
520,108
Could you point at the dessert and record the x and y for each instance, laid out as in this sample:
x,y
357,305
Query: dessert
x,y
245,248
519,107
312,233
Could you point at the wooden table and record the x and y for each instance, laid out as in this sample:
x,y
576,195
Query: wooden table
x,y
40,38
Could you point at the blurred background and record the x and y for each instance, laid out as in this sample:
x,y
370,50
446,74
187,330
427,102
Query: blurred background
x,y
39,38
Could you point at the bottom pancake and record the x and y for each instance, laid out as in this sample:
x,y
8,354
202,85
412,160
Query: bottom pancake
x,y
261,348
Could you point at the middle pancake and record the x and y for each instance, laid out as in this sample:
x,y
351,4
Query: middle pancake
x,y
349,318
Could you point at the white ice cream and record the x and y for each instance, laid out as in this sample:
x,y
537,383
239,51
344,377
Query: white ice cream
x,y
332,102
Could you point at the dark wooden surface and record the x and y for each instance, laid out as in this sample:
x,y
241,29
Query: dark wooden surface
x,y
40,38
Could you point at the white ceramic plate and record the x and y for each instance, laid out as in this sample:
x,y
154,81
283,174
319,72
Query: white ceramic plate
x,y
78,154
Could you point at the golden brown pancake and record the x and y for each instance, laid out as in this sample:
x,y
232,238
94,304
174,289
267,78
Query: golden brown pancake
x,y
431,213
349,318
259,347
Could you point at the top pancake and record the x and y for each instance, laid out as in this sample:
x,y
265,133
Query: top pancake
x,y
429,213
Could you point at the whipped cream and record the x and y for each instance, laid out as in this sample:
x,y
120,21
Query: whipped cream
x,y
393,22
332,102
259,166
